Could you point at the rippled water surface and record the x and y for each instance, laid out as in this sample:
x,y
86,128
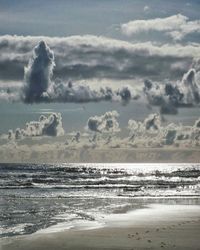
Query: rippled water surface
x,y
36,196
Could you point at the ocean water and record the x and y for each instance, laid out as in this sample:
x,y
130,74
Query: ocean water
x,y
38,196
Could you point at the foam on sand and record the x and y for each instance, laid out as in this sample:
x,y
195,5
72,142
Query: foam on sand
x,y
156,227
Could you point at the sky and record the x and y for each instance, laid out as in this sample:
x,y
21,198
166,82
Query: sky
x,y
98,74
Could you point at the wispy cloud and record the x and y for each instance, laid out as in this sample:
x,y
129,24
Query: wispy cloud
x,y
176,26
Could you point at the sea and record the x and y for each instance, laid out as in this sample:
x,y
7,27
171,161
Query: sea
x,y
38,197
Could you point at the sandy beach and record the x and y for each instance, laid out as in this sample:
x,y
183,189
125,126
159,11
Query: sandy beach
x,y
156,227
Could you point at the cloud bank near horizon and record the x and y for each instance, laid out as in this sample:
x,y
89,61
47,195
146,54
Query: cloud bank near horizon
x,y
104,131
148,140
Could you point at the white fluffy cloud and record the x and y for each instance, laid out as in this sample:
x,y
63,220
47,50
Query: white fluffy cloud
x,y
176,26
151,133
150,124
46,126
105,147
104,123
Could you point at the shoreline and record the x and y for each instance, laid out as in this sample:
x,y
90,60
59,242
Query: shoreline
x,y
154,227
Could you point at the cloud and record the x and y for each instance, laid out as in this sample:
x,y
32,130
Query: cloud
x,y
76,137
150,125
176,26
171,96
7,95
151,133
39,86
152,122
88,57
191,87
105,147
170,136
46,126
127,93
81,92
104,123
41,83
197,123
38,73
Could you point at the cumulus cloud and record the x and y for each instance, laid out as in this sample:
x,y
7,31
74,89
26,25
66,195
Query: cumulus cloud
x,y
104,123
46,126
171,96
191,87
197,123
144,135
151,133
81,92
76,137
88,57
41,83
176,26
39,86
151,125
38,73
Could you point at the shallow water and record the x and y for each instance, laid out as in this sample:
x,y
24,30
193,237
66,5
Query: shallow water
x,y
37,196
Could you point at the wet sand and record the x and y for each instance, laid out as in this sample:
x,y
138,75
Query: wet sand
x,y
158,229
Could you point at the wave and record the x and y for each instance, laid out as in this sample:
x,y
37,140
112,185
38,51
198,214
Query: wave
x,y
76,176
35,196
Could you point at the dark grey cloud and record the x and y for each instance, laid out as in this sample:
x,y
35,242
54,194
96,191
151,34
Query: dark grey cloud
x,y
152,122
85,57
81,92
170,136
39,86
191,87
38,73
46,126
76,137
170,96
197,123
